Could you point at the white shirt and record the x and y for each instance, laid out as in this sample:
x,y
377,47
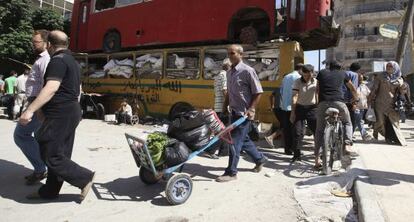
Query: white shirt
x,y
220,84
34,81
20,83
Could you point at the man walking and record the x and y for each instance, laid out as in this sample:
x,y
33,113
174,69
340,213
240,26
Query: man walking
x,y
304,105
20,99
286,106
351,74
244,92
59,102
9,83
23,134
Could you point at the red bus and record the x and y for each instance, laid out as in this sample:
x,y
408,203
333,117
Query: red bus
x,y
114,25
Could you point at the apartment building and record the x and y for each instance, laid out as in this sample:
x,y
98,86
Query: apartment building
x,y
63,7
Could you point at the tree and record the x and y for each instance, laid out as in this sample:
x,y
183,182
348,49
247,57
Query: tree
x,y
15,30
48,19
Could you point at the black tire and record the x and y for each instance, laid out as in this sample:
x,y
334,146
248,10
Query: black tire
x,y
179,188
327,157
179,108
112,42
340,141
147,176
100,111
248,35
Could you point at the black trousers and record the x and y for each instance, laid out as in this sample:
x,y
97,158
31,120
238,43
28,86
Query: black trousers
x,y
56,137
287,131
303,113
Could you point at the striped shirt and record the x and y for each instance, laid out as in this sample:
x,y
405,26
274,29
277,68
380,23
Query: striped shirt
x,y
34,81
220,84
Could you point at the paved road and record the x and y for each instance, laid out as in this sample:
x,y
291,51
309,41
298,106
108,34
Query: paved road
x,y
391,171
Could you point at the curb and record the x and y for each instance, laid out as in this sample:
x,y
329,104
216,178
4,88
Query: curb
x,y
369,209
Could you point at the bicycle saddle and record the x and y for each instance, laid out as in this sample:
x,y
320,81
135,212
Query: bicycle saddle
x,y
331,111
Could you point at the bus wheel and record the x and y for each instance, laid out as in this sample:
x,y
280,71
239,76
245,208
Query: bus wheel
x,y
100,111
248,35
112,42
179,108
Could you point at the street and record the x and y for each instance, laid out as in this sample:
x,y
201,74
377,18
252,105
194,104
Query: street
x,y
281,192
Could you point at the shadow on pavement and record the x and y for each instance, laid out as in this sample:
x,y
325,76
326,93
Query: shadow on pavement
x,y
12,185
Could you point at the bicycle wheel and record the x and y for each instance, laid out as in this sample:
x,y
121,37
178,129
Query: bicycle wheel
x,y
340,141
327,158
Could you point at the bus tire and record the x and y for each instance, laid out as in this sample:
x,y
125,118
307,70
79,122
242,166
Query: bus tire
x,y
178,108
112,42
248,35
100,111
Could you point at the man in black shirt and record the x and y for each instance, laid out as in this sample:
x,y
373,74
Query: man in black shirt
x,y
59,102
330,95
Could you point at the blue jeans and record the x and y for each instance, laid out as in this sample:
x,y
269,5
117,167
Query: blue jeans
x,y
359,116
241,141
24,139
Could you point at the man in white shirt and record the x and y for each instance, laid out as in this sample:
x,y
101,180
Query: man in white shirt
x,y
23,134
20,100
124,113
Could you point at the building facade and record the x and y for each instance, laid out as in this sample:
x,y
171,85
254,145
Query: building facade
x,y
63,7
360,38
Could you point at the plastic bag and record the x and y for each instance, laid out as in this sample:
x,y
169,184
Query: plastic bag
x,y
176,154
254,131
370,115
184,122
213,121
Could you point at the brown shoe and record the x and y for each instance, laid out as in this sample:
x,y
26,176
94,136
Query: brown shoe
x,y
85,190
226,178
35,177
259,165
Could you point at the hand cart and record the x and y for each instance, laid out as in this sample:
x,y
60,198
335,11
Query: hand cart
x,y
179,185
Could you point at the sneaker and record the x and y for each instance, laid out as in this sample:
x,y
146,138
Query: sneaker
x,y
85,190
367,137
259,165
208,155
226,178
35,177
269,140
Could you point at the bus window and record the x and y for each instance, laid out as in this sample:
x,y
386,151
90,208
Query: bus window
x,y
264,62
120,66
302,10
213,61
183,65
120,3
104,4
149,66
96,66
293,9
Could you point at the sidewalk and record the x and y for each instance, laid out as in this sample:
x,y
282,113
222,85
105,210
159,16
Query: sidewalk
x,y
391,175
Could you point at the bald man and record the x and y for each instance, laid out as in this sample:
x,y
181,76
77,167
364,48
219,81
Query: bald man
x,y
58,101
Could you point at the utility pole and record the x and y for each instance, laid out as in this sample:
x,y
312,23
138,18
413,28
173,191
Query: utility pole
x,y
402,43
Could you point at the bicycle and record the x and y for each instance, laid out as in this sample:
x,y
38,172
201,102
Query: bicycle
x,y
333,140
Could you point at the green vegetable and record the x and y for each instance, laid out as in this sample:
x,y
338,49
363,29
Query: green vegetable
x,y
156,143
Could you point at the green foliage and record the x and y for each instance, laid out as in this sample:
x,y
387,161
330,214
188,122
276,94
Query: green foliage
x,y
15,30
17,22
48,19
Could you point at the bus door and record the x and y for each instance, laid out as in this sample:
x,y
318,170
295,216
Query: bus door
x,y
82,32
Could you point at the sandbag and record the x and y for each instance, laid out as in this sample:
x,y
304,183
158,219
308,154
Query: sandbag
x,y
176,154
195,138
184,122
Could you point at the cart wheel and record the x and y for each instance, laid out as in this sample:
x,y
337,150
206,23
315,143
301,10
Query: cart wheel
x,y
134,119
178,189
147,176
